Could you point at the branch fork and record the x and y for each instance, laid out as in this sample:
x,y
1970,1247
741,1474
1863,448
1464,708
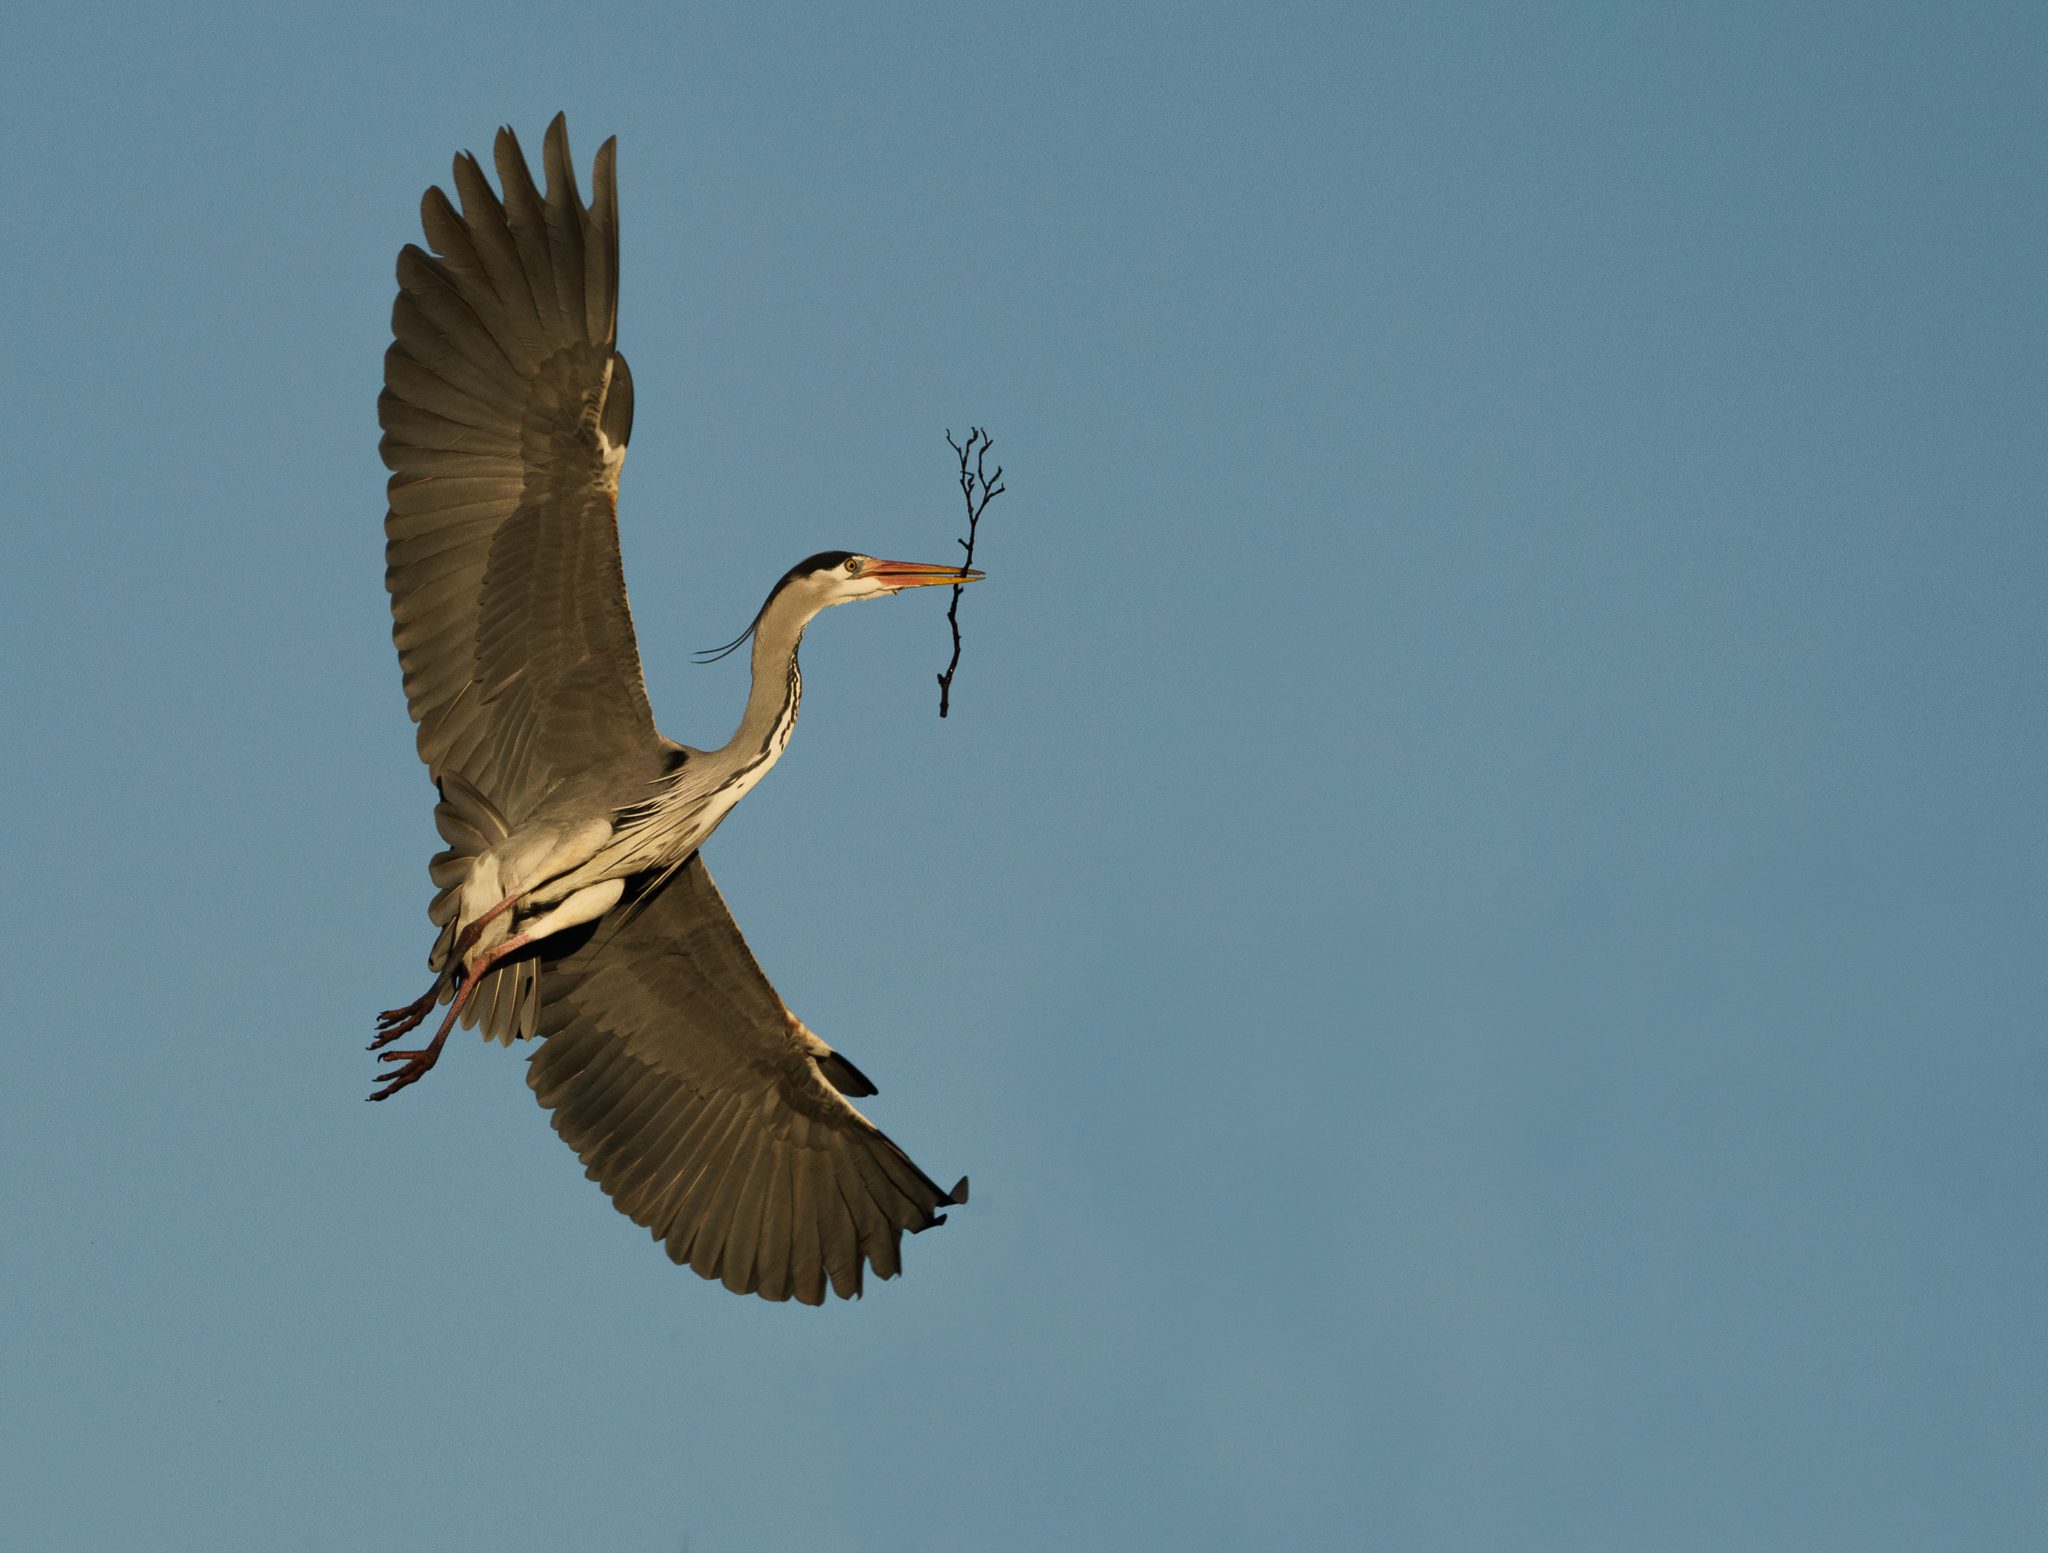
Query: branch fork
x,y
978,488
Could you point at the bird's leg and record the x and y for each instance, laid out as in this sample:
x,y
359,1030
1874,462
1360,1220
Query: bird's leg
x,y
466,939
586,905
394,1022
418,1062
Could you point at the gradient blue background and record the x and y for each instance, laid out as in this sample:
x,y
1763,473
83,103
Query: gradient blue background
x,y
1478,922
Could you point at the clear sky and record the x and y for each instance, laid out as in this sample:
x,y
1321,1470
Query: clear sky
x,y
1478,921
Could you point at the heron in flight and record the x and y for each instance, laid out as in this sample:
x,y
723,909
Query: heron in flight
x,y
573,903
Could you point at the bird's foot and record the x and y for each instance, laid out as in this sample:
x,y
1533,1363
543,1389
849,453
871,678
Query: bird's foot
x,y
416,1063
394,1022
416,1066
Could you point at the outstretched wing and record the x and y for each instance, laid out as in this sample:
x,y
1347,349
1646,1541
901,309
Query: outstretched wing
x,y
506,411
701,1106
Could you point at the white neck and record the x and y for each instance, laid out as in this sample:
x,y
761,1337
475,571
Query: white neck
x,y
773,697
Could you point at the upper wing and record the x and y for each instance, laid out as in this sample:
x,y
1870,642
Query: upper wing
x,y
702,1107
505,412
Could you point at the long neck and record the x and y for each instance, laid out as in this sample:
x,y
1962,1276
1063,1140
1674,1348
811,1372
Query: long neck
x,y
776,692
700,792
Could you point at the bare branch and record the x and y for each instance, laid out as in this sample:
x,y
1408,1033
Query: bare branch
x,y
977,489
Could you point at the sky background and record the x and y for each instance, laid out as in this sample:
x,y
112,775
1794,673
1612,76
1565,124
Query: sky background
x,y
1478,920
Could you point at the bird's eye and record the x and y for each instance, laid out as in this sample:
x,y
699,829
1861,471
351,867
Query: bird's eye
x,y
853,566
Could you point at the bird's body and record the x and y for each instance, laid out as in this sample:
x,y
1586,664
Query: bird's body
x,y
572,902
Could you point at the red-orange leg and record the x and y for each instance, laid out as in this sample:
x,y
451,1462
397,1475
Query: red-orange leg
x,y
394,1022
418,1062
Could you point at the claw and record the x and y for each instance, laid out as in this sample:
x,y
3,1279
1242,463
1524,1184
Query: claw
x,y
397,1084
417,1065
394,1022
418,1062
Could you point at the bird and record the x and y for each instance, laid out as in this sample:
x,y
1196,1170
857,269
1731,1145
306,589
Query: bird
x,y
572,902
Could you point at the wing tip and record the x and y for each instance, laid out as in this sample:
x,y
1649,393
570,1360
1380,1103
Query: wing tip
x,y
957,1198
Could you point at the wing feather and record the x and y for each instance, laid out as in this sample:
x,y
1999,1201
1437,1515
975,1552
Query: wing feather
x,y
687,1153
483,216
743,1209
601,247
640,1171
526,221
847,1262
465,317
774,1245
605,1080
564,212
806,1241
643,1114
697,1102
407,382
423,426
698,1221
502,555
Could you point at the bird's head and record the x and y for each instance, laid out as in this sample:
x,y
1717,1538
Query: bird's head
x,y
839,577
833,577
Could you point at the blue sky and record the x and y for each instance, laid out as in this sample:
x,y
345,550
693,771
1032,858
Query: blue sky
x,y
1477,922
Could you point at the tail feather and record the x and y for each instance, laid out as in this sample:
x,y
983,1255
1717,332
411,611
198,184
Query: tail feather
x,y
507,1002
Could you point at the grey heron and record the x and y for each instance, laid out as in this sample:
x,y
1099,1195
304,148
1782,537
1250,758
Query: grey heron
x,y
572,902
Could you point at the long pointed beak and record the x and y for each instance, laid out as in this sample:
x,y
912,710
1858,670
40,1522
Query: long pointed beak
x,y
898,575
